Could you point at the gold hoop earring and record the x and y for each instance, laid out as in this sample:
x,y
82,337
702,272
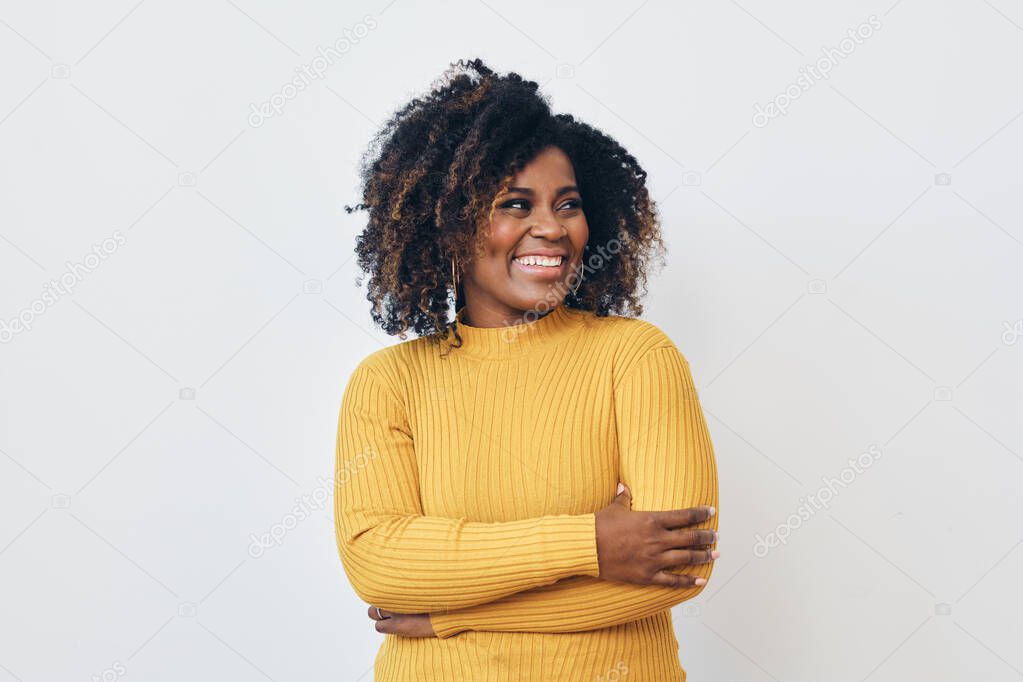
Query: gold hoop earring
x,y
454,279
579,283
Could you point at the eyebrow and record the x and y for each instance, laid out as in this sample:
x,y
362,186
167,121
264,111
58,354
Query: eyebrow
x,y
527,190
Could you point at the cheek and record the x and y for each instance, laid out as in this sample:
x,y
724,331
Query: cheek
x,y
502,238
580,234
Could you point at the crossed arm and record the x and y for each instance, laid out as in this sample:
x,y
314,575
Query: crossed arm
x,y
536,575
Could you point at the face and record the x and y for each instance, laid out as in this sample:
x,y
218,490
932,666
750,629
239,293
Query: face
x,y
541,215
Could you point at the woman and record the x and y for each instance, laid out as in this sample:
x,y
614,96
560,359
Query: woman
x,y
525,492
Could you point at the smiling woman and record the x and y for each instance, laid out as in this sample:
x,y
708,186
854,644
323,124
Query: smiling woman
x,y
536,484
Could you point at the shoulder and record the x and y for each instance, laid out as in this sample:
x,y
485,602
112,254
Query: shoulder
x,y
385,362
632,340
393,366
628,335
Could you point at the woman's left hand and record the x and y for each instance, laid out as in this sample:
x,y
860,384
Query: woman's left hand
x,y
402,624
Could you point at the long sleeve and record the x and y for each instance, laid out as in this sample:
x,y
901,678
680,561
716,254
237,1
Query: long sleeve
x,y
399,559
667,460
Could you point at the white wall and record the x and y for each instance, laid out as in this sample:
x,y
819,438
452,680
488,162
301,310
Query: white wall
x,y
845,279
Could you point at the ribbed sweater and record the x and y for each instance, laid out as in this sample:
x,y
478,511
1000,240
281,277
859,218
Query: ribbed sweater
x,y
467,486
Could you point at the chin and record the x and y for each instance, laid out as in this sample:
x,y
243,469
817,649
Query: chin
x,y
544,302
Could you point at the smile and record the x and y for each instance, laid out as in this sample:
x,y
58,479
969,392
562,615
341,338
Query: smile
x,y
541,267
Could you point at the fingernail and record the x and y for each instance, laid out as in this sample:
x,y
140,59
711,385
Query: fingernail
x,y
713,511
700,581
717,536
715,554
621,487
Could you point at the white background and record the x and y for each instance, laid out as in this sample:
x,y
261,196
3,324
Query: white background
x,y
846,276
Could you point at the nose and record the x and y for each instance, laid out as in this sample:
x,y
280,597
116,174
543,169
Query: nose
x,y
547,225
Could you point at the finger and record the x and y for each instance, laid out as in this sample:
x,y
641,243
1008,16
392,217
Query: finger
x,y
677,558
689,537
378,614
666,579
397,624
684,517
623,496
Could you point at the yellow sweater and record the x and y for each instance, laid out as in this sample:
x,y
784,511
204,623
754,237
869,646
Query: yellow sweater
x,y
467,487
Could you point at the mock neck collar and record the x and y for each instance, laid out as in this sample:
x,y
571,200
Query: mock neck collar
x,y
532,334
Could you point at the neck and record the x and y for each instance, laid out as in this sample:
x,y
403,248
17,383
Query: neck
x,y
532,331
486,318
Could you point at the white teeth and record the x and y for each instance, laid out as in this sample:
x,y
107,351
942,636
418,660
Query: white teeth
x,y
549,261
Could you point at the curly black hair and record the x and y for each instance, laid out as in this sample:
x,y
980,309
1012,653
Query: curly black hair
x,y
430,179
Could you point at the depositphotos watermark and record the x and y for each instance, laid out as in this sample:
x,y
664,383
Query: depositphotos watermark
x,y
617,672
592,263
114,672
314,70
53,290
1012,332
810,74
316,500
822,498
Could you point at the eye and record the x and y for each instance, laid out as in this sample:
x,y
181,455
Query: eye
x,y
573,204
512,204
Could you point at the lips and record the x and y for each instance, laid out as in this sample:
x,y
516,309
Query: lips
x,y
534,266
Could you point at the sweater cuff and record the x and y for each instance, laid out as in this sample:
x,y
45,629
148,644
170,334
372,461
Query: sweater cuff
x,y
446,623
570,549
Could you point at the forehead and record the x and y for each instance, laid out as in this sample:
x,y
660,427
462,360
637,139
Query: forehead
x,y
551,165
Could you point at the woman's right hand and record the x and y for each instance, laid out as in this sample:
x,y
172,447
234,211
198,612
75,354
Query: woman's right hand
x,y
642,547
